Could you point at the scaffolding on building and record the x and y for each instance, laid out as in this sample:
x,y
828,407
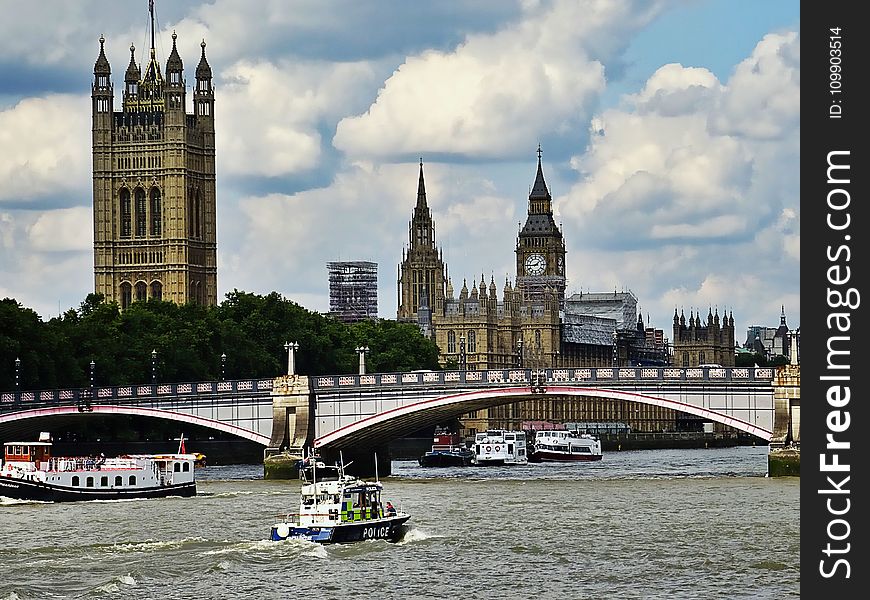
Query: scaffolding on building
x,y
353,290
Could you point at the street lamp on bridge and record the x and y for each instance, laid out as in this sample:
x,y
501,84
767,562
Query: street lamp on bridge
x,y
291,348
520,353
362,351
223,365
153,367
615,351
462,361
17,379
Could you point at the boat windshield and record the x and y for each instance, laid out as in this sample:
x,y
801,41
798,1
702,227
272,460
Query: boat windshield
x,y
321,472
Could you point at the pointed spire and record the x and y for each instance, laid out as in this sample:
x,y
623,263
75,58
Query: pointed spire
x,y
174,62
203,70
133,74
782,316
101,67
676,317
421,188
539,189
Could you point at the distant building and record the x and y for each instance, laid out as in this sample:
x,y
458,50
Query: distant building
x,y
771,342
528,323
353,290
698,343
154,182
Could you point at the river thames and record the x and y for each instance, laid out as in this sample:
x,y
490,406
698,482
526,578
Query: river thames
x,y
695,524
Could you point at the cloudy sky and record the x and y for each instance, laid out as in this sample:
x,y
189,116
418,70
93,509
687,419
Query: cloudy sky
x,y
669,129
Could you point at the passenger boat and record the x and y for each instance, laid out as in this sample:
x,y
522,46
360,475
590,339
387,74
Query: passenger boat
x,y
564,446
30,472
447,451
335,507
500,447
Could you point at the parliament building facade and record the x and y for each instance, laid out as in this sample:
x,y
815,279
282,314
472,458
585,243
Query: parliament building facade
x,y
154,182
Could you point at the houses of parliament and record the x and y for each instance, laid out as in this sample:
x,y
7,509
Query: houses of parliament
x,y
155,237
533,324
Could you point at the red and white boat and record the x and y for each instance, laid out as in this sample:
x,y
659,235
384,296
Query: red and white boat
x,y
565,446
30,472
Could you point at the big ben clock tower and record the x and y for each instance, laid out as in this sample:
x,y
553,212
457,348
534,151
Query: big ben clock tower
x,y
540,246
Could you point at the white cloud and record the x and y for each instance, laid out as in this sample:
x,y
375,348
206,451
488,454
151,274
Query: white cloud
x,y
69,229
275,110
495,92
675,173
763,96
44,148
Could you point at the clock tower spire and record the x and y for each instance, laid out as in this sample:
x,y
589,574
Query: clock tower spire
x,y
540,246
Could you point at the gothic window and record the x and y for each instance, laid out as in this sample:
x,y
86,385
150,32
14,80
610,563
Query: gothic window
x,y
451,342
197,216
538,339
190,195
472,341
701,358
126,295
156,213
126,213
141,217
157,290
141,291
685,359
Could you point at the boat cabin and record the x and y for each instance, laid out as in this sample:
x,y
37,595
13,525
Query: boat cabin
x,y
27,452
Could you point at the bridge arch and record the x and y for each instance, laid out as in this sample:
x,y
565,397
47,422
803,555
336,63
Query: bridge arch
x,y
137,411
389,424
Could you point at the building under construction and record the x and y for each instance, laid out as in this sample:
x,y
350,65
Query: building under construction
x,y
353,290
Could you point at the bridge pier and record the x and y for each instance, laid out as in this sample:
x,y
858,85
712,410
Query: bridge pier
x,y
292,426
784,458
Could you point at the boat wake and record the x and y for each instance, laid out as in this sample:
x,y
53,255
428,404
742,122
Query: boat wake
x,y
153,545
6,501
117,584
415,534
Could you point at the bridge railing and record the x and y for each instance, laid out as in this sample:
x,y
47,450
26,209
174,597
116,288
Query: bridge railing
x,y
131,393
519,376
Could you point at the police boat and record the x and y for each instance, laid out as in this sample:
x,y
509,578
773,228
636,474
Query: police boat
x,y
335,507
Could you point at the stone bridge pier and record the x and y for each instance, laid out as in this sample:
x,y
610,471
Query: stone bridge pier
x,y
292,416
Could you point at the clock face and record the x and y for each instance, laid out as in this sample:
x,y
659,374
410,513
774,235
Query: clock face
x,y
535,264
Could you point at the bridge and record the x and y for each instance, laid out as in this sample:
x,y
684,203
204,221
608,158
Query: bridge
x,y
350,413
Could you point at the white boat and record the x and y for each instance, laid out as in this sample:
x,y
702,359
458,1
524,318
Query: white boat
x,y
335,507
564,446
30,472
500,447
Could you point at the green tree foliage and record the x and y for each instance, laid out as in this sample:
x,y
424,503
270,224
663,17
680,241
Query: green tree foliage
x,y
188,341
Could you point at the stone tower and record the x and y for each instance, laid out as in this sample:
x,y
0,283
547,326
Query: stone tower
x,y
540,247
154,183
422,270
698,343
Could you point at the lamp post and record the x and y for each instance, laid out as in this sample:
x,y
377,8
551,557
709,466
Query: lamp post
x,y
462,363
17,379
520,353
153,367
615,352
291,348
223,365
362,351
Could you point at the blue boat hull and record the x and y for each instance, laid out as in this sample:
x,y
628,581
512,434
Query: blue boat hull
x,y
391,529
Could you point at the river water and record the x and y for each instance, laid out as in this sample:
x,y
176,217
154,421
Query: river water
x,y
695,524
